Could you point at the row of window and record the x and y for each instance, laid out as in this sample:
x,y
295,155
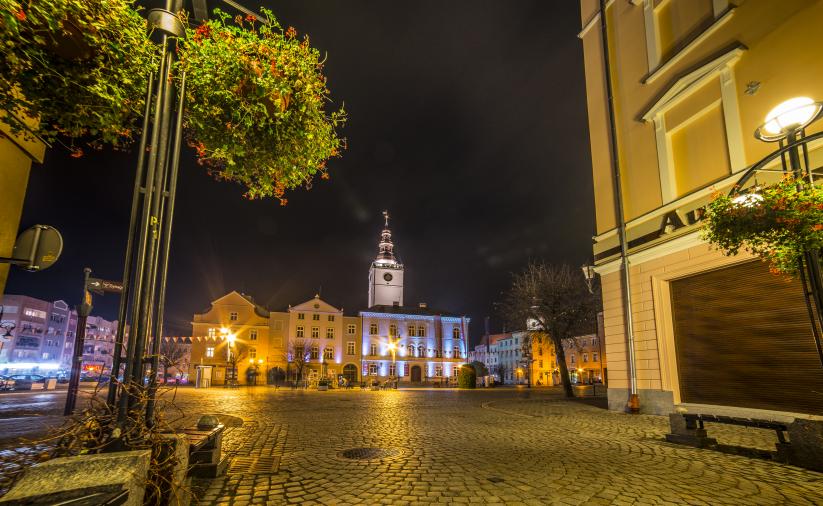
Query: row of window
x,y
411,331
313,353
315,332
372,370
315,317
417,351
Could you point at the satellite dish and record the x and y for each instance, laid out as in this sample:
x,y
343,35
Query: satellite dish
x,y
37,248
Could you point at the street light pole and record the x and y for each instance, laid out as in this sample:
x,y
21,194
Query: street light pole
x,y
83,311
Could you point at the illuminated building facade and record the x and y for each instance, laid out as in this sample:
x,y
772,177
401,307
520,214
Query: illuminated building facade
x,y
315,339
414,344
691,80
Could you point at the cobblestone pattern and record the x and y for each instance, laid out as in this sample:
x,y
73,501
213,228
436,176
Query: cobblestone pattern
x,y
500,446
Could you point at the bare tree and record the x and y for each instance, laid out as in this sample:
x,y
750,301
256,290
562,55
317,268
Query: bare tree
x,y
174,353
297,356
555,301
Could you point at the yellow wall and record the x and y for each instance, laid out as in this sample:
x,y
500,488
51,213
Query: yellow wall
x,y
16,155
781,41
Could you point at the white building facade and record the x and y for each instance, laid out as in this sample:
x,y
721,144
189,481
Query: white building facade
x,y
413,344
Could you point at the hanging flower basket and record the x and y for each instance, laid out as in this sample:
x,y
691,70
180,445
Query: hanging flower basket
x,y
255,105
78,66
777,223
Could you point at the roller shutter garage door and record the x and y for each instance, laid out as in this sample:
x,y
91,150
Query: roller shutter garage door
x,y
743,338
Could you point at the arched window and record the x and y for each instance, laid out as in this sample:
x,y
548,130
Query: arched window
x,y
456,352
410,350
421,351
455,333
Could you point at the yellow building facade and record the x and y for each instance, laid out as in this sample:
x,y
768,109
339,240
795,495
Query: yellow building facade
x,y
585,361
17,152
691,81
241,340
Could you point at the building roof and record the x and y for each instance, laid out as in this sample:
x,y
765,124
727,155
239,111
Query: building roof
x,y
410,310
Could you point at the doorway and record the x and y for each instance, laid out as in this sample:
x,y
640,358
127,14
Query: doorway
x,y
416,374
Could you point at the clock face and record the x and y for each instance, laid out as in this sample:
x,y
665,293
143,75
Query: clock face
x,y
387,276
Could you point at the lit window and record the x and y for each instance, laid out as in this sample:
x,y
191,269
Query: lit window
x,y
328,353
455,333
421,331
540,364
209,352
331,317
252,353
412,330
594,357
372,369
437,353
456,352
438,371
45,356
300,331
585,357
540,351
315,317
315,332
253,335
373,349
410,350
350,329
315,352
350,348
35,313
330,333
233,316
421,351
392,330
392,370
301,316
573,359
373,329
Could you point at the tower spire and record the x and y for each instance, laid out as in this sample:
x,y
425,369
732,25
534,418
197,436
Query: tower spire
x,y
385,247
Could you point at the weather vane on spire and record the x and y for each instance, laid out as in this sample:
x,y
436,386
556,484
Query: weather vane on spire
x,y
386,216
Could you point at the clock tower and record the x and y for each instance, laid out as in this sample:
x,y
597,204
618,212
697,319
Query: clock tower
x,y
386,273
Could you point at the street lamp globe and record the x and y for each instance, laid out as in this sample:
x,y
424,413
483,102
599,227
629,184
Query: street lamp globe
x,y
790,115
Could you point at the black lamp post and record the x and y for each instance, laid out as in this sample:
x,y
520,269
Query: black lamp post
x,y
786,124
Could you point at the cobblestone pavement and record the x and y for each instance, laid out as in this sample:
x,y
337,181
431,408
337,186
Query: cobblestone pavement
x,y
483,446
490,446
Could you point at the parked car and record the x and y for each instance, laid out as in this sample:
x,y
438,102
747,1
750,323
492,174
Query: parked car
x,y
28,381
6,383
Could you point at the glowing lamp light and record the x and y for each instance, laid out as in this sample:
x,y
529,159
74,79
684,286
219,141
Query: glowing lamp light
x,y
231,339
793,114
224,330
251,360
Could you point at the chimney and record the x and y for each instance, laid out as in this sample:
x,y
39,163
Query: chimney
x,y
423,305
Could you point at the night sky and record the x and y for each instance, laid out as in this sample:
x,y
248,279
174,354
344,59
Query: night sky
x,y
467,121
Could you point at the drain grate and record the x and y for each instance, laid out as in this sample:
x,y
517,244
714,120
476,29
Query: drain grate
x,y
254,465
370,453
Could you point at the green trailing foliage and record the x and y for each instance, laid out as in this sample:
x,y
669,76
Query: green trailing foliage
x,y
255,104
77,68
467,377
776,223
